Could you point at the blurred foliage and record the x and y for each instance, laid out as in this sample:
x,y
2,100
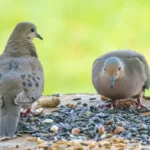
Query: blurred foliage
x,y
75,32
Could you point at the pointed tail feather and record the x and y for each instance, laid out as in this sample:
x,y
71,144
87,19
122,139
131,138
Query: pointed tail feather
x,y
9,121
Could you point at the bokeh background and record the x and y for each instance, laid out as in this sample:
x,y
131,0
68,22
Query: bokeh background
x,y
76,32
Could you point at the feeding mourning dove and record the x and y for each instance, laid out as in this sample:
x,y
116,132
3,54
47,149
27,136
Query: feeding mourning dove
x,y
21,76
121,74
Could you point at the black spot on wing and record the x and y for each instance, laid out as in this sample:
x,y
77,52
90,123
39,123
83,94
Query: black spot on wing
x,y
28,80
34,79
30,84
37,84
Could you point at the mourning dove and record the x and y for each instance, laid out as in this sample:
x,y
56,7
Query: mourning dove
x,y
121,74
21,76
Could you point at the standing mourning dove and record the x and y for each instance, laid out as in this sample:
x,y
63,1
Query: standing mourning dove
x,y
120,75
21,76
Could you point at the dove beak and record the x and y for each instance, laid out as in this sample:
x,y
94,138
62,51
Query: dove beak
x,y
112,81
38,36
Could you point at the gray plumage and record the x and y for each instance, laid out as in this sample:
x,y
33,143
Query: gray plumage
x,y
21,76
130,81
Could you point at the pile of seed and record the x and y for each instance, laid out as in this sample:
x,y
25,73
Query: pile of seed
x,y
84,123
107,144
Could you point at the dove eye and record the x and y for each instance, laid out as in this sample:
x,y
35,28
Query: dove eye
x,y
32,30
119,68
104,69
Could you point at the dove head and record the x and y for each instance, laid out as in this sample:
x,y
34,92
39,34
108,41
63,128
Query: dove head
x,y
113,69
27,30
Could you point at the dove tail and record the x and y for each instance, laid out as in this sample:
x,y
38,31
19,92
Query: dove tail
x,y
9,120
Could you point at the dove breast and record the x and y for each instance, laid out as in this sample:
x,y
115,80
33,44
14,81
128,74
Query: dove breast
x,y
134,79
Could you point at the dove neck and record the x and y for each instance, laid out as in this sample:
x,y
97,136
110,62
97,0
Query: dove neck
x,y
21,46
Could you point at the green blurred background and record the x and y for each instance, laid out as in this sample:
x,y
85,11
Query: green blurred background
x,y
75,32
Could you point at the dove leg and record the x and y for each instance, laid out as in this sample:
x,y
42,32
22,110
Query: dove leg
x,y
139,101
112,104
26,112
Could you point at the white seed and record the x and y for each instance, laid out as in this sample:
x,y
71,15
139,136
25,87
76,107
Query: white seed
x,y
48,121
54,128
